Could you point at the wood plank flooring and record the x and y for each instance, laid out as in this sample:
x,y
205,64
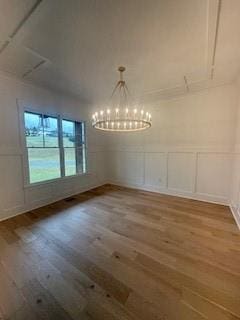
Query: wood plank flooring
x,y
117,253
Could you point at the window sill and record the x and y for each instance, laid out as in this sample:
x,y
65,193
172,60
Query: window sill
x,y
36,184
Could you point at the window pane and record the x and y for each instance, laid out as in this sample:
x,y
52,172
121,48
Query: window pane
x,y
68,132
70,161
81,165
33,129
44,164
83,132
50,131
79,133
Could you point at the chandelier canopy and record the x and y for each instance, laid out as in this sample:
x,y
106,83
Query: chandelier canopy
x,y
121,115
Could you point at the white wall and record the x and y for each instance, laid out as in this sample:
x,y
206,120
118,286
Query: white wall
x,y
188,151
235,187
15,196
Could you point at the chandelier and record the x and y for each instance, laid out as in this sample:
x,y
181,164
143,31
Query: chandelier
x,y
121,115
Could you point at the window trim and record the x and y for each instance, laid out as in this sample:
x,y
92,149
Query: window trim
x,y
26,169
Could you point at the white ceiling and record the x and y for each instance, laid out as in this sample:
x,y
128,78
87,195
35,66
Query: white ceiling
x,y
75,46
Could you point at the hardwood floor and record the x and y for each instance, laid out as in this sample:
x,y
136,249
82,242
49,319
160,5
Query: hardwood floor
x,y
116,253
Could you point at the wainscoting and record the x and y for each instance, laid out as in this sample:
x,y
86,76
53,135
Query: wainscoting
x,y
235,188
16,198
202,175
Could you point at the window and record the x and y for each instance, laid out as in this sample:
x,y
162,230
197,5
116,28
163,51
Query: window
x,y
55,147
74,147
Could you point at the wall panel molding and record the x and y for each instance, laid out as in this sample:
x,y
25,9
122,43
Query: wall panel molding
x,y
201,175
181,171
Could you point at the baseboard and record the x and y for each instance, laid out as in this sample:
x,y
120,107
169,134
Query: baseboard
x,y
236,214
31,207
174,192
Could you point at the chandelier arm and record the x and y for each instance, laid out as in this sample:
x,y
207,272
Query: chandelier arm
x,y
121,94
129,93
127,97
115,88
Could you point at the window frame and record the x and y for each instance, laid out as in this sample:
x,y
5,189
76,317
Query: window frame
x,y
27,183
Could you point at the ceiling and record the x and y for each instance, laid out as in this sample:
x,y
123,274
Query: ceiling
x,y
169,47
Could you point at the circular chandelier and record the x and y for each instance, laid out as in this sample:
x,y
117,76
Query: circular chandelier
x,y
120,116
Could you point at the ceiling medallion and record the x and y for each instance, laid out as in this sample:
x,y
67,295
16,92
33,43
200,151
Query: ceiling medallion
x,y
120,116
